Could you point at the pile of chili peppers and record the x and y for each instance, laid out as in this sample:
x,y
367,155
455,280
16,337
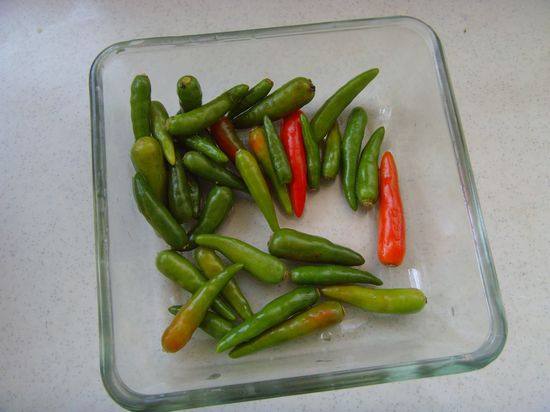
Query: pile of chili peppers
x,y
201,141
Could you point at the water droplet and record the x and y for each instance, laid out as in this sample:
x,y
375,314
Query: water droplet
x,y
326,336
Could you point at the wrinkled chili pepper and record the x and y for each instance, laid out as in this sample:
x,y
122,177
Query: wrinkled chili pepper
x,y
226,137
391,221
291,136
191,315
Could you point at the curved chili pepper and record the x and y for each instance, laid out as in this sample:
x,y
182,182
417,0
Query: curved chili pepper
x,y
201,166
366,186
179,199
313,157
275,312
255,94
206,146
180,270
332,154
291,136
283,101
226,137
397,301
254,179
189,123
318,317
158,125
333,107
259,264
294,245
211,265
391,221
217,205
147,158
277,153
158,216
331,275
258,144
351,147
213,324
188,319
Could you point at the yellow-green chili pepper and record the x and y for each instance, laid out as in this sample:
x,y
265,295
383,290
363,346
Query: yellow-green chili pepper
x,y
213,324
158,124
397,301
211,265
254,179
148,160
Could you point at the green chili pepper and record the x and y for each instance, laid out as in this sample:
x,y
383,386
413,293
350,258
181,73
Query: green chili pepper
x,y
328,113
206,146
398,301
179,199
180,270
254,179
211,265
216,207
331,157
196,120
331,275
158,120
258,144
157,215
367,172
189,93
294,245
259,264
194,311
283,101
351,146
140,105
213,324
318,317
275,312
313,157
277,153
257,93
148,160
198,164
195,194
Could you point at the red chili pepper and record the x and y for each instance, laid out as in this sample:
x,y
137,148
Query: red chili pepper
x,y
226,137
391,221
291,136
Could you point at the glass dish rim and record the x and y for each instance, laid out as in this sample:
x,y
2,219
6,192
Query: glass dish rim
x,y
126,397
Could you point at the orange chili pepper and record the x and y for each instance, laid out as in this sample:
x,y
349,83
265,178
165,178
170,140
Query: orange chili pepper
x,y
391,221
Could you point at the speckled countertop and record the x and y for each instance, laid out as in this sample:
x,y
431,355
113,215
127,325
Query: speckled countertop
x,y
498,55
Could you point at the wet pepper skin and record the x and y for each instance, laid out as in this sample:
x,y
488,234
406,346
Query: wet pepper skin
x,y
391,220
275,312
291,136
318,317
194,311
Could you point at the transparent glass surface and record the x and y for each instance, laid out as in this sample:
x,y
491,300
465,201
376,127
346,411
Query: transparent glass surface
x,y
462,327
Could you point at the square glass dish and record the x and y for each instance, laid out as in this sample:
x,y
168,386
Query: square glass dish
x,y
462,327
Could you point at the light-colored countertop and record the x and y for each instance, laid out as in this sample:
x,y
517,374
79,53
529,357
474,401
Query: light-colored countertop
x,y
498,55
